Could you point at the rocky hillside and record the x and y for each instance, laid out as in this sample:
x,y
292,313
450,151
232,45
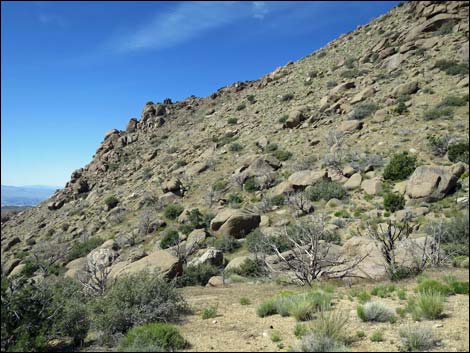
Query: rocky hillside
x,y
314,137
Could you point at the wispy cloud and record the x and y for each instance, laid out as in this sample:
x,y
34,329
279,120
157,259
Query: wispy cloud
x,y
186,21
51,19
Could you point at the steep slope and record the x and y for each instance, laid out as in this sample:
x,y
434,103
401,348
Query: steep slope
x,y
343,110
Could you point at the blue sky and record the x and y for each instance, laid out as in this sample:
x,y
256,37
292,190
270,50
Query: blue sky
x,y
73,70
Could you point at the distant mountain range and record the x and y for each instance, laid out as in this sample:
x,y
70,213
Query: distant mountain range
x,y
29,195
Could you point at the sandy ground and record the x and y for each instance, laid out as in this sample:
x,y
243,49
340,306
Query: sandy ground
x,y
237,327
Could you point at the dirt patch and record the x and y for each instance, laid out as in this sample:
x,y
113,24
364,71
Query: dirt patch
x,y
237,327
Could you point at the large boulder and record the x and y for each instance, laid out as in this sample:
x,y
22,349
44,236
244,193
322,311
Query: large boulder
x,y
365,93
160,261
237,262
173,185
431,183
353,182
75,266
405,88
295,118
283,188
211,257
372,186
430,25
349,126
305,178
234,222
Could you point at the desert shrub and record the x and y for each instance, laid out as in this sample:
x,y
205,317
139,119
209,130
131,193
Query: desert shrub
x,y
455,286
283,119
400,167
278,200
271,147
209,312
454,101
245,301
33,314
170,238
438,144
394,202
427,304
251,268
363,110
317,343
251,98
432,285
147,173
197,275
154,337
267,308
232,121
282,155
417,338
326,190
241,106
401,294
234,200
374,311
227,243
172,211
455,237
235,147
446,28
250,185
331,84
458,152
219,185
137,299
400,108
287,97
83,248
363,296
111,202
451,67
438,112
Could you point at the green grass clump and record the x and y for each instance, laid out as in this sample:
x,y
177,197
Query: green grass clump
x,y
364,110
377,336
235,147
438,112
83,248
111,202
170,238
209,313
267,308
300,330
245,301
383,290
374,311
232,121
326,190
451,67
282,155
454,101
432,285
400,167
276,336
428,305
154,337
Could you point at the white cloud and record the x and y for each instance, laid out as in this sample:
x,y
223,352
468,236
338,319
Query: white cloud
x,y
48,19
260,9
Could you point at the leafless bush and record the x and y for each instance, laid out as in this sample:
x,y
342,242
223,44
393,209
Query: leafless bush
x,y
47,254
145,222
95,278
338,153
309,257
299,202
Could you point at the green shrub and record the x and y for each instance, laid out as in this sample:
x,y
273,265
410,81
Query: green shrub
x,y
282,155
401,294
251,98
331,84
245,301
172,211
377,336
198,275
241,106
283,119
326,190
234,200
271,147
394,202
454,101
331,323
170,238
438,112
446,28
147,173
451,67
278,200
276,336
363,110
251,268
432,285
400,167
360,334
287,97
111,202
374,311
458,152
300,330
232,121
227,243
363,296
400,108
33,313
318,343
83,248
250,185
235,147
154,337
137,299
209,313
456,286
417,338
438,145
29,268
